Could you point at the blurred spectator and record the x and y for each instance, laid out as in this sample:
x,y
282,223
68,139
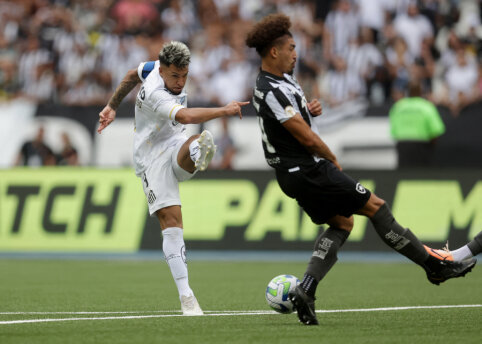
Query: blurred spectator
x,y
51,52
461,83
126,56
448,56
230,80
399,60
414,28
363,58
42,87
91,89
340,85
36,152
415,124
207,12
223,159
7,50
180,20
341,27
372,14
9,83
32,56
68,155
473,41
75,63
135,16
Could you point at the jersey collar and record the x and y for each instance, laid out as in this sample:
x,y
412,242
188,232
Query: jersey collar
x,y
271,75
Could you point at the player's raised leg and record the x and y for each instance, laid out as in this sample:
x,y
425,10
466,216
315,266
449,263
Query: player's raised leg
x,y
174,250
197,152
439,268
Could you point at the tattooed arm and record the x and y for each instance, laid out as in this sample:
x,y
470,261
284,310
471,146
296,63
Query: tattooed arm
x,y
107,115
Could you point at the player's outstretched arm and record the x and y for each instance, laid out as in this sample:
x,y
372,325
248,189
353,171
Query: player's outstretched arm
x,y
200,115
107,115
309,139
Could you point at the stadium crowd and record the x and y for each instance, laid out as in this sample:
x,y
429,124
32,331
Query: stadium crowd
x,y
77,51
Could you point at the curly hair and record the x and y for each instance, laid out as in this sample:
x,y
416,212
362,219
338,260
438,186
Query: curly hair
x,y
266,33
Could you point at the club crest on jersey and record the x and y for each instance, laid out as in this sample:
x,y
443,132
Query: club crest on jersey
x,y
360,188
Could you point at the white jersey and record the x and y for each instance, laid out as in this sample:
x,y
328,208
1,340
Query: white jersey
x,y
155,125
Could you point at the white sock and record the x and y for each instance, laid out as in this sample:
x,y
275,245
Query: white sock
x,y
194,150
462,253
175,254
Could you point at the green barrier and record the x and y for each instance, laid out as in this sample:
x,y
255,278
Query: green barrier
x,y
210,206
94,210
238,203
433,206
68,209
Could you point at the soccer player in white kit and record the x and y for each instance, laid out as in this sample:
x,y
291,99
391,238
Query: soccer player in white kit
x,y
163,154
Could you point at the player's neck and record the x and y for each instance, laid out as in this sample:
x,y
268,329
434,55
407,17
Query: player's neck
x,y
269,68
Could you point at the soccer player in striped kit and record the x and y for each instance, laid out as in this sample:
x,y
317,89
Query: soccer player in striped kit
x,y
308,171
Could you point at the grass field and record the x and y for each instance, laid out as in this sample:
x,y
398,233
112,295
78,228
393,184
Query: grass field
x,y
136,302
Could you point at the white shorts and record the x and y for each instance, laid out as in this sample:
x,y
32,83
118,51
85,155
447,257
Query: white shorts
x,y
161,180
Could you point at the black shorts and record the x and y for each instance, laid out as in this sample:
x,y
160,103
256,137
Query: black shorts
x,y
323,191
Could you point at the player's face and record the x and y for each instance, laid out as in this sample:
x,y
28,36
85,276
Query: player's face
x,y
287,54
174,77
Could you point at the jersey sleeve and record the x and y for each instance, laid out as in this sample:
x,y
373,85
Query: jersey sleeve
x,y
436,126
165,105
144,69
282,103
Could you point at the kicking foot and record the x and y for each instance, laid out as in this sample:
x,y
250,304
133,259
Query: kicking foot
x,y
443,254
207,149
443,267
304,305
190,306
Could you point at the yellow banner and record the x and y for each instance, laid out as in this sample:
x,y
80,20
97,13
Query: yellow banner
x,y
96,210
71,209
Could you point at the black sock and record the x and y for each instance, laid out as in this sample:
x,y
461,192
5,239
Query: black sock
x,y
309,284
400,239
324,256
475,246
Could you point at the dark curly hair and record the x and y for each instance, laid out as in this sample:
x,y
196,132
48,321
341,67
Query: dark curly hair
x,y
267,33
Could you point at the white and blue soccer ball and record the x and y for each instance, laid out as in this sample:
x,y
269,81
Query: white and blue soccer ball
x,y
277,293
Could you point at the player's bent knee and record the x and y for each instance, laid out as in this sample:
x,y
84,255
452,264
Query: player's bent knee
x,y
169,217
347,224
342,222
371,207
375,200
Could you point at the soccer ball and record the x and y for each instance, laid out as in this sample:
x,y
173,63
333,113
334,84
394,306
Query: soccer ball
x,y
277,293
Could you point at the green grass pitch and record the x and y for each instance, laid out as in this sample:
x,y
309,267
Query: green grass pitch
x,y
145,288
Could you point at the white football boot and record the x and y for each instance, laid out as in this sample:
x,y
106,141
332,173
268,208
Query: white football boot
x,y
207,149
190,306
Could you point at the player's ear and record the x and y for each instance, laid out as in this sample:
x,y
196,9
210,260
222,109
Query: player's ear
x,y
273,51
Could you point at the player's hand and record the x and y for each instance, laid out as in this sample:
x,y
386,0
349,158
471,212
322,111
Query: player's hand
x,y
234,108
106,116
315,107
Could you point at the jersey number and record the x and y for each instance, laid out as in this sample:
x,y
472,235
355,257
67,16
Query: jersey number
x,y
269,146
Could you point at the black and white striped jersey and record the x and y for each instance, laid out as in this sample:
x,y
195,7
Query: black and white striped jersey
x,y
276,100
